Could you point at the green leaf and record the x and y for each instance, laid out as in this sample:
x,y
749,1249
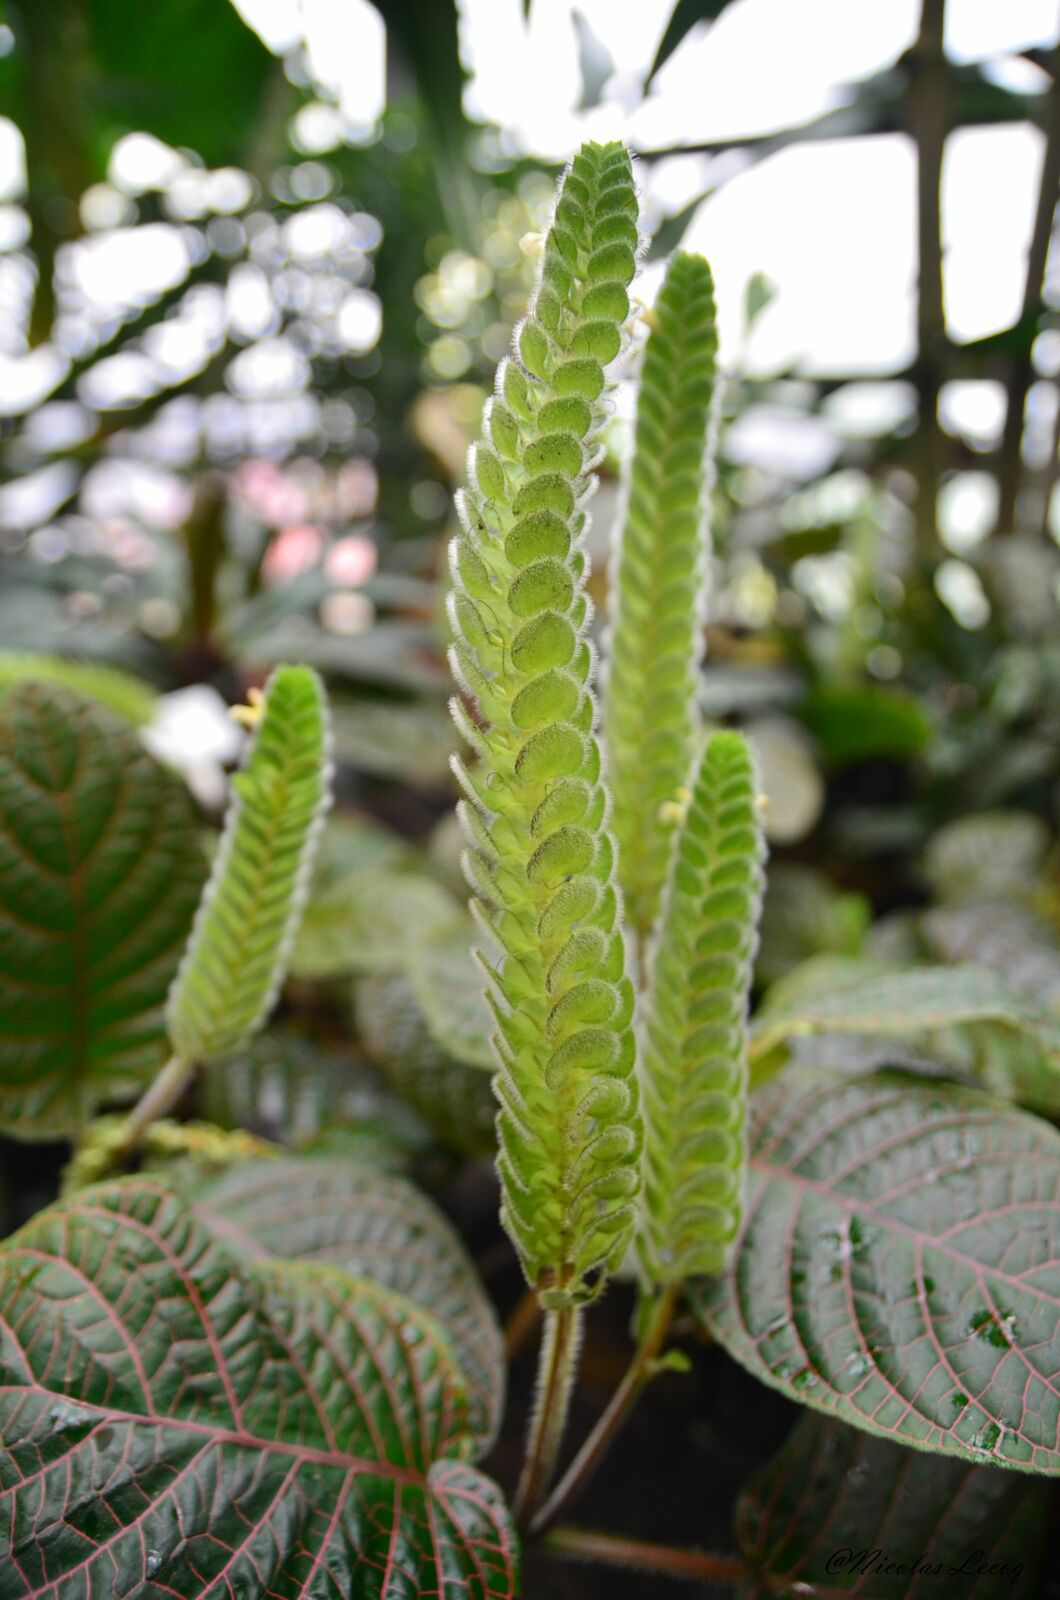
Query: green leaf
x,y
456,1100
827,995
447,982
686,14
656,637
670,233
175,1420
1004,936
540,862
804,915
595,63
351,843
425,43
237,954
368,921
198,79
78,77
408,741
287,1089
838,1511
101,869
863,724
992,855
899,1265
375,1225
964,1025
693,1068
120,692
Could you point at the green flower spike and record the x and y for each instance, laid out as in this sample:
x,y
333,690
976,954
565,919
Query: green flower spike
x,y
694,1066
655,641
540,860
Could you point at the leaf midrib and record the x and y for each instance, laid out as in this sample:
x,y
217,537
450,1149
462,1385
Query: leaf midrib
x,y
242,1438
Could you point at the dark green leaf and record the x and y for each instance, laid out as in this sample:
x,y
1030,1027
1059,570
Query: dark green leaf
x,y
686,14
101,869
992,855
805,915
178,1422
369,921
287,1089
594,62
862,724
670,233
455,1099
450,987
412,741
832,995
1003,936
899,1265
377,1226
351,843
120,692
838,1511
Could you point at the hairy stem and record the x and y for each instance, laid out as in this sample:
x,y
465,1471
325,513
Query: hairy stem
x,y
540,859
155,1102
585,1545
521,1324
581,1470
557,1365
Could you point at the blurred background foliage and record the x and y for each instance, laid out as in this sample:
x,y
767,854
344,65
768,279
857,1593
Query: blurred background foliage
x,y
259,259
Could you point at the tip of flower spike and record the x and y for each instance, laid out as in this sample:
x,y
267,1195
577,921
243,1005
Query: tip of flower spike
x,y
249,716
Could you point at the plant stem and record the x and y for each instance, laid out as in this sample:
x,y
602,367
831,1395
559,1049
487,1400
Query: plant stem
x,y
584,1545
521,1324
929,116
557,1364
577,1476
160,1097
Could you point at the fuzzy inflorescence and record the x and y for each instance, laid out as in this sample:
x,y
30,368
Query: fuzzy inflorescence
x,y
654,646
237,954
694,1069
541,862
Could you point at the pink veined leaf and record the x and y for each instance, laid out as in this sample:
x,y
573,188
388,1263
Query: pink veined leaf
x,y
177,1422
375,1225
101,871
899,1265
837,1511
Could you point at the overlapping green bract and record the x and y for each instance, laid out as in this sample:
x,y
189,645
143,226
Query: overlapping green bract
x,y
650,706
249,913
541,863
694,1055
